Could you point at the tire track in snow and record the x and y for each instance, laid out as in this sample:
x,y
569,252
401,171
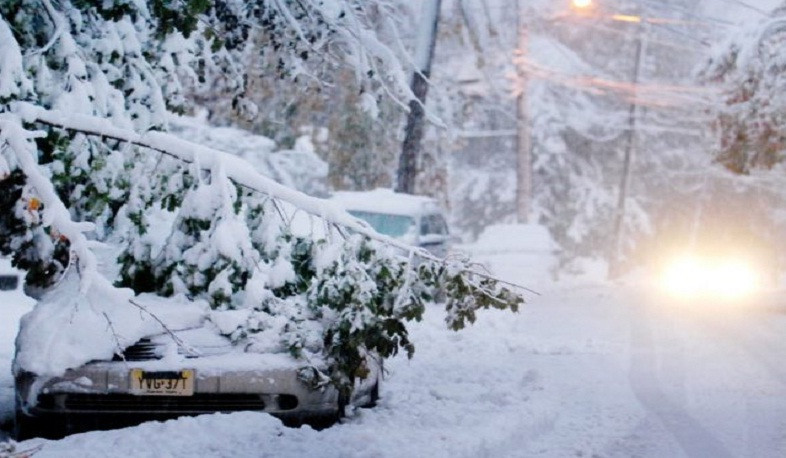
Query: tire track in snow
x,y
768,336
694,439
758,334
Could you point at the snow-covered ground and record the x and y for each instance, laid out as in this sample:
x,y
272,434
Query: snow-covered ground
x,y
587,369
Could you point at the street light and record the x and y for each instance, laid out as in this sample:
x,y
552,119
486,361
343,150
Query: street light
x,y
581,4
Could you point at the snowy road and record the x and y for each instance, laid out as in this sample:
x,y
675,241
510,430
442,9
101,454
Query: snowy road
x,y
713,377
582,371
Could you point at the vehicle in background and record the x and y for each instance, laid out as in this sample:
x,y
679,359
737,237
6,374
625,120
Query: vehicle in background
x,y
415,220
720,264
10,278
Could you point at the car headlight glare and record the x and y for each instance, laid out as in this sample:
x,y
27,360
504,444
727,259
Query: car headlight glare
x,y
690,277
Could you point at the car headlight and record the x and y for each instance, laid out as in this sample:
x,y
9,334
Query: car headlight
x,y
690,277
684,277
735,279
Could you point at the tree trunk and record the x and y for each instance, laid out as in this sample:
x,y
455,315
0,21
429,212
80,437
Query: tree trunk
x,y
413,134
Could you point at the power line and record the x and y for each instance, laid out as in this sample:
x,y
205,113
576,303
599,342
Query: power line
x,y
746,5
707,20
686,12
655,95
683,34
657,41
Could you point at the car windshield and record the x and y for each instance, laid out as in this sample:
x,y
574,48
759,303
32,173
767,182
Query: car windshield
x,y
387,224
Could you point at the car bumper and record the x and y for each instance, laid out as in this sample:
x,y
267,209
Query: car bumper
x,y
104,388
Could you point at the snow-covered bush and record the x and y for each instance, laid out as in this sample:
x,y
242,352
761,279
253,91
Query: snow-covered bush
x,y
86,89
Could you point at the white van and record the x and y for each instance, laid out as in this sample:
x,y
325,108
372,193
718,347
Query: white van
x,y
415,220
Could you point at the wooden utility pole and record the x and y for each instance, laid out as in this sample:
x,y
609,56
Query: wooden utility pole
x,y
413,134
624,189
523,134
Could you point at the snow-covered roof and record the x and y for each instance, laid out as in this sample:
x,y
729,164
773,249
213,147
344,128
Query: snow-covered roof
x,y
383,200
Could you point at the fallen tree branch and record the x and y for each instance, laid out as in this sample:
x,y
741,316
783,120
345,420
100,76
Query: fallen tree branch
x,y
238,170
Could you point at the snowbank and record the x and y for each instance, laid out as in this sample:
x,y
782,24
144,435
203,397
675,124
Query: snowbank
x,y
520,238
523,254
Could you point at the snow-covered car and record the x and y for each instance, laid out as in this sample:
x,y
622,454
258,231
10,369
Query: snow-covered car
x,y
416,220
190,369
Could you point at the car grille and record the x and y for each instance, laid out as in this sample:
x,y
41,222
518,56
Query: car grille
x,y
144,350
198,403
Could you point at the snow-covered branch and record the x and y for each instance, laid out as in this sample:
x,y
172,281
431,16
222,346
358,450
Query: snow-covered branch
x,y
56,213
237,169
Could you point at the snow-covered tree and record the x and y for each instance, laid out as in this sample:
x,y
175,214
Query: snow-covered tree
x,y
86,90
353,121
751,121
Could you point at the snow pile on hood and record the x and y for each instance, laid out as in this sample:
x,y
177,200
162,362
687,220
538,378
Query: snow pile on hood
x,y
51,338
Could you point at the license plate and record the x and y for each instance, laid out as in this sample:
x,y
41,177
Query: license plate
x,y
162,383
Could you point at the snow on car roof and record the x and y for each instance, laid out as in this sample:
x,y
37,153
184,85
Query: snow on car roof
x,y
383,200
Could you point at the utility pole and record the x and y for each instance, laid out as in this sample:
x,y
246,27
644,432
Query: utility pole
x,y
523,134
413,133
624,189
524,180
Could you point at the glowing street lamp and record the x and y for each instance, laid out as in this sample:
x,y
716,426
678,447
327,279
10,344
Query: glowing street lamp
x,y
581,4
583,7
